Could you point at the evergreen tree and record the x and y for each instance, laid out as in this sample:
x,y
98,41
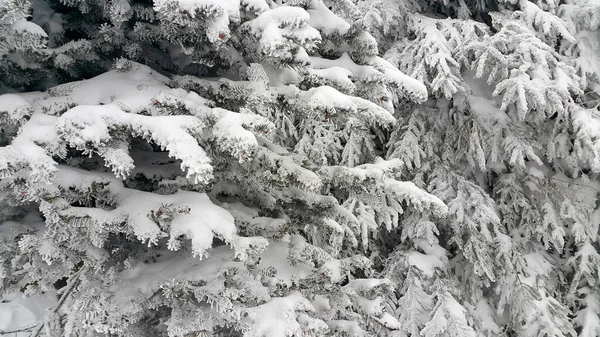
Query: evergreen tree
x,y
301,167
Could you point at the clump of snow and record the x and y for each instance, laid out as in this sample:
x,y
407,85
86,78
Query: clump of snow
x,y
350,328
15,106
338,77
377,70
425,263
201,221
232,137
408,86
389,321
17,312
323,19
324,98
485,314
25,151
281,29
134,88
278,317
364,73
85,127
366,284
23,26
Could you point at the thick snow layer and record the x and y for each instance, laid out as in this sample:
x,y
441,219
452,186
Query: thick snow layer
x,y
140,283
485,314
351,328
281,29
324,98
323,19
23,26
389,321
425,263
364,73
338,77
202,221
17,312
377,70
143,280
376,172
232,137
111,101
366,284
278,317
132,90
85,126
15,106
410,87
26,151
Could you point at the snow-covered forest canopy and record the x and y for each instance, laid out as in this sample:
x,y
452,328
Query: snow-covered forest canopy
x,y
290,168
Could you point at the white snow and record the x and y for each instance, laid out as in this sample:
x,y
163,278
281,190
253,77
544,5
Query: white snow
x,y
408,86
134,88
425,263
324,98
23,26
17,312
276,256
85,126
351,328
278,317
15,106
321,304
340,77
281,28
325,20
203,221
389,321
364,73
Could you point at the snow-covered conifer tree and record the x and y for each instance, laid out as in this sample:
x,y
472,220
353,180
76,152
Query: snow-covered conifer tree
x,y
300,167
241,204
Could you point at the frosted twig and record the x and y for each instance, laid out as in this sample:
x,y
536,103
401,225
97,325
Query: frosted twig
x,y
2,332
74,279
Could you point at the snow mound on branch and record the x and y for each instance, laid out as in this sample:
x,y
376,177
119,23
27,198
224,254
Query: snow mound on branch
x,y
278,318
88,127
275,317
23,26
192,214
282,30
14,106
131,89
323,19
412,88
90,112
17,312
376,70
324,98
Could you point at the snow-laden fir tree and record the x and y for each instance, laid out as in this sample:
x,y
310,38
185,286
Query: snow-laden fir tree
x,y
244,204
269,168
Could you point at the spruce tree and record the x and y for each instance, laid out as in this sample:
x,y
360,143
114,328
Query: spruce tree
x,y
300,167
